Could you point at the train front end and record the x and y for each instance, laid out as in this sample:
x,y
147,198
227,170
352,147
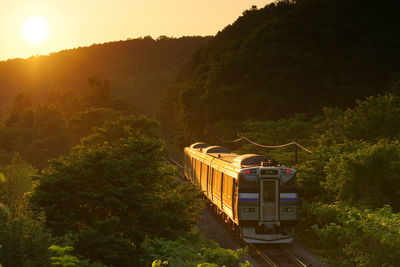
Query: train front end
x,y
267,204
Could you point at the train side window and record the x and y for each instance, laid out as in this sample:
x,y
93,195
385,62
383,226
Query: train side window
x,y
228,180
230,186
204,172
210,179
224,191
193,169
198,170
217,181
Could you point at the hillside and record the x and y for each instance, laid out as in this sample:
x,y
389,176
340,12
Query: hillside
x,y
287,58
139,69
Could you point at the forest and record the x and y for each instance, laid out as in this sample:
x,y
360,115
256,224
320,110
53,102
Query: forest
x,y
84,178
138,68
287,58
85,182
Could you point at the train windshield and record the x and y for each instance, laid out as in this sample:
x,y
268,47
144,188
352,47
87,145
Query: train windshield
x,y
248,181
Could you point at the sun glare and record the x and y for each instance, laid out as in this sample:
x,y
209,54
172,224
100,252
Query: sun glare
x,y
34,30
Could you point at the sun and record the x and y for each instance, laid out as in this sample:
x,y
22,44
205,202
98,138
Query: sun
x,y
34,30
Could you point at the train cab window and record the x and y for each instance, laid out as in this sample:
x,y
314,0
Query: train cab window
x,y
248,182
269,191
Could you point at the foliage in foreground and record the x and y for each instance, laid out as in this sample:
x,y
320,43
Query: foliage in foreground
x,y
113,190
191,250
349,185
23,238
18,182
62,257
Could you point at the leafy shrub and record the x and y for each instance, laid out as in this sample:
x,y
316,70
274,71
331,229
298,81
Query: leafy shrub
x,y
191,250
223,257
23,239
18,181
372,119
64,258
370,174
353,236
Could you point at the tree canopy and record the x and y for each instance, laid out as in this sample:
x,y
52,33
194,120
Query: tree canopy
x,y
286,58
114,189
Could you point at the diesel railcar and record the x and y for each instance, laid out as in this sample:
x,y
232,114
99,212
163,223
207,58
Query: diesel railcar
x,y
254,194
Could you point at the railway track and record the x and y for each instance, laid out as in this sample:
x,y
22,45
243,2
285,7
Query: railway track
x,y
272,255
276,256
175,163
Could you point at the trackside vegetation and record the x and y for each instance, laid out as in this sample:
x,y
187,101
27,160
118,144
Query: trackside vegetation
x,y
112,201
349,185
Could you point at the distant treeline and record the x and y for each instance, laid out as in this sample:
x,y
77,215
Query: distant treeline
x,y
140,69
289,57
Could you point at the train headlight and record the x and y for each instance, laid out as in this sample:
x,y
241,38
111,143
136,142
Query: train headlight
x,y
288,209
249,209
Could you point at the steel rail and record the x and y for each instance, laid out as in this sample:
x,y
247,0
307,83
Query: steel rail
x,y
294,258
287,255
175,162
262,255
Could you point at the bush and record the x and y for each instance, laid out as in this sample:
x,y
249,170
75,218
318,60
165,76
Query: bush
x,y
23,239
353,236
62,257
18,180
191,250
370,175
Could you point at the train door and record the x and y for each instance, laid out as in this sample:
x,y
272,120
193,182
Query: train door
x,y
192,173
269,210
210,183
235,198
206,181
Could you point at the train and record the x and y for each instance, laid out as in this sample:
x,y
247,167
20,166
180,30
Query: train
x,y
253,194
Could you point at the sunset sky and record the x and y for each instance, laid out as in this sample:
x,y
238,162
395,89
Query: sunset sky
x,y
39,27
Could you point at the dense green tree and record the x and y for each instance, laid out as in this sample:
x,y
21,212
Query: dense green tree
x,y
286,58
23,239
50,135
117,179
369,175
18,180
83,122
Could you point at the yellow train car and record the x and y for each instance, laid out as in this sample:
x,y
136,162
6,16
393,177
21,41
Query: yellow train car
x,y
255,195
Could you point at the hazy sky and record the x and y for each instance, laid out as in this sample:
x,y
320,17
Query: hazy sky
x,y
74,23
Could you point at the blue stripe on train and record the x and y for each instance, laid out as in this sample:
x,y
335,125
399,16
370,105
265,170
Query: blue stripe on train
x,y
289,199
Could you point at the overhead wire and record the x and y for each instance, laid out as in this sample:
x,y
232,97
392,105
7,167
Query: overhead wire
x,y
264,146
